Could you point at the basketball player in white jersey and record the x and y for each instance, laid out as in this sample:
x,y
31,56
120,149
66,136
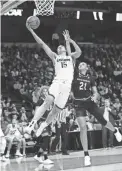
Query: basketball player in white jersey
x,y
2,140
61,86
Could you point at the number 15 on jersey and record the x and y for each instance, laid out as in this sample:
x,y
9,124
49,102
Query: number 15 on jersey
x,y
63,64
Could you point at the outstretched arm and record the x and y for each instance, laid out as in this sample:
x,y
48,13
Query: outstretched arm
x,y
46,48
77,52
66,37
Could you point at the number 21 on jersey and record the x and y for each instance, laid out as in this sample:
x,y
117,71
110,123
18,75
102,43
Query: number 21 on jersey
x,y
82,86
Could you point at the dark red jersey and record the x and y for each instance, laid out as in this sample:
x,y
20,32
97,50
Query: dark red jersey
x,y
82,86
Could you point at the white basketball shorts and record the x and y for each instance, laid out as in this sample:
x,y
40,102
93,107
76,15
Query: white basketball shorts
x,y
61,91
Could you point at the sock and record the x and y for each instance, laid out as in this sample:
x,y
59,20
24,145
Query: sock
x,y
32,123
45,157
86,153
115,131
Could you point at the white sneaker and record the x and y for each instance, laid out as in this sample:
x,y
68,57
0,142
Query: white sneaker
x,y
118,135
87,161
48,161
35,157
7,155
39,159
41,128
18,154
30,127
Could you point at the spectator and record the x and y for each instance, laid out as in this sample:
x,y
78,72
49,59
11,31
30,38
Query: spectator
x,y
6,115
17,86
117,105
12,134
23,117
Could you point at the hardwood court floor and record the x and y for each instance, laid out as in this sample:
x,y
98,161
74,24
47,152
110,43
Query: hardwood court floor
x,y
102,160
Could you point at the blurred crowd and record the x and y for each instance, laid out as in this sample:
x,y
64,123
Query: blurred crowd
x,y
29,68
26,68
10,111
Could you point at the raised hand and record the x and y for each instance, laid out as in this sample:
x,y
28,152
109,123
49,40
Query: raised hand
x,y
28,26
66,35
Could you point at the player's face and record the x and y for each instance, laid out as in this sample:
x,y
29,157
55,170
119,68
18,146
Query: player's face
x,y
14,122
61,49
83,66
45,92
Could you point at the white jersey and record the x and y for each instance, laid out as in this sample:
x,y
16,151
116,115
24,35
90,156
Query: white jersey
x,y
64,68
12,130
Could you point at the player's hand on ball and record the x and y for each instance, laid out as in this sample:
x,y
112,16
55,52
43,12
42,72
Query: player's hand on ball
x,y
28,26
66,35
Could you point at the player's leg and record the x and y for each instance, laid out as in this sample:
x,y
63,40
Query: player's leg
x,y
2,148
47,103
60,102
38,157
45,150
24,146
38,150
40,111
57,137
19,143
10,142
64,138
96,111
49,119
80,114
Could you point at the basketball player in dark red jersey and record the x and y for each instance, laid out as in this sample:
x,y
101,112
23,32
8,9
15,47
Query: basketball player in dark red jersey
x,y
85,98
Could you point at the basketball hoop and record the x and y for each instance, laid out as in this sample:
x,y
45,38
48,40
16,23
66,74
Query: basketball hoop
x,y
45,7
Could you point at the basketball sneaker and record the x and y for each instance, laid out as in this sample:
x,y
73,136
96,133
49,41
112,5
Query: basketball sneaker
x,y
30,126
18,154
7,155
39,159
118,135
87,161
41,128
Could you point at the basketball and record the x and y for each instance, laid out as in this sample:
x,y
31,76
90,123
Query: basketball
x,y
33,21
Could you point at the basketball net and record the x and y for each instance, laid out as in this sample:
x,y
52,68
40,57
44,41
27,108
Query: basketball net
x,y
45,7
